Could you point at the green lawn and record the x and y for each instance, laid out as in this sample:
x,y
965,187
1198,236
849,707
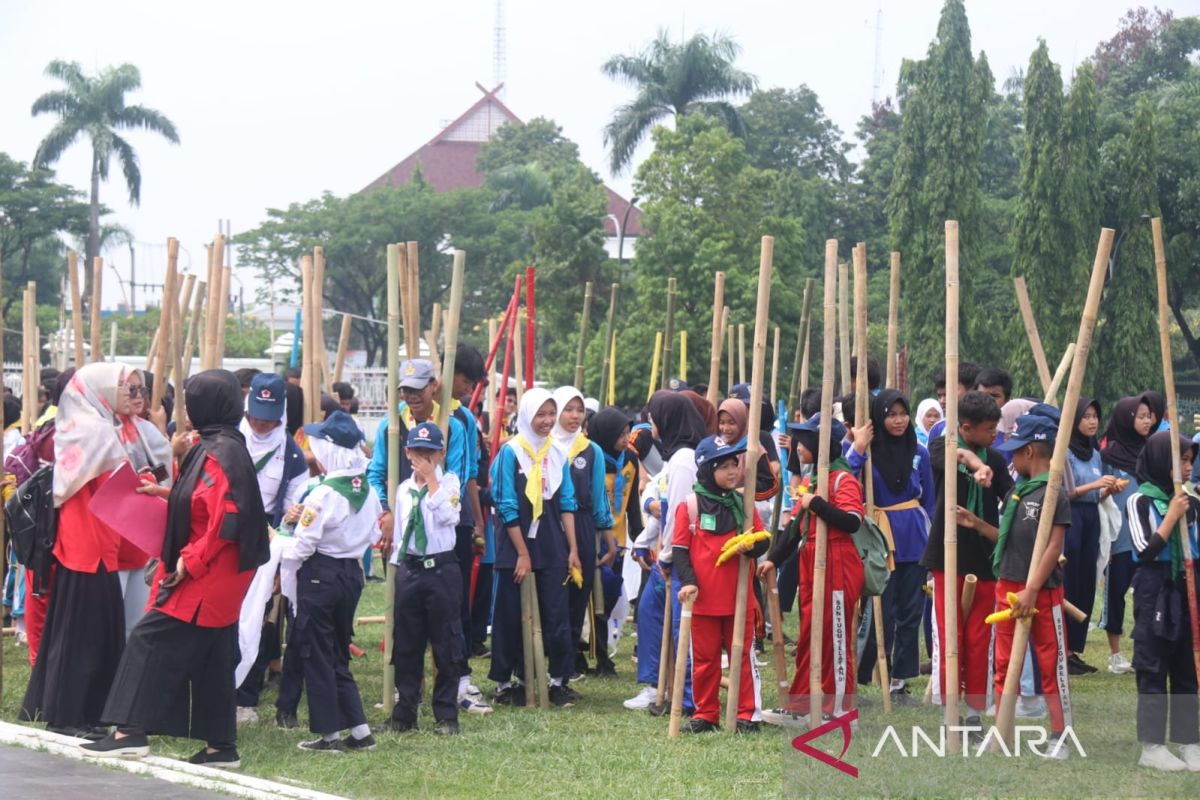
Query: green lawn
x,y
598,749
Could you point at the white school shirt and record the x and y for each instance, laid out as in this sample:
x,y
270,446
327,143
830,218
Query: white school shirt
x,y
328,526
681,475
441,509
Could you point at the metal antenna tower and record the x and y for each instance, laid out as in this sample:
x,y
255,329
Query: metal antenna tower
x,y
877,82
499,50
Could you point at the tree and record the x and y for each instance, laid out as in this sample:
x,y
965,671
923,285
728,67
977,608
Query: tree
x,y
943,102
675,80
94,105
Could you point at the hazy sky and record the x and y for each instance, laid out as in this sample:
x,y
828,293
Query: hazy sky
x,y
276,102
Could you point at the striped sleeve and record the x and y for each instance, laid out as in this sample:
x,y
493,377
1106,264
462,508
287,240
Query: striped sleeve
x,y
1143,526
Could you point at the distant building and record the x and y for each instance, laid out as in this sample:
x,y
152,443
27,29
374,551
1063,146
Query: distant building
x,y
448,162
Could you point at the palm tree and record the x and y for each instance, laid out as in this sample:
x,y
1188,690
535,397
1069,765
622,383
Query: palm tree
x,y
95,105
677,80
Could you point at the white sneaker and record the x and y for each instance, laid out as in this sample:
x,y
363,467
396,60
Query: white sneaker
x,y
1157,756
473,691
784,718
1190,753
473,704
1118,664
1058,750
1031,707
247,715
642,700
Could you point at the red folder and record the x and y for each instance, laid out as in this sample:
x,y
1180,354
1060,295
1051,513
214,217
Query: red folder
x,y
139,518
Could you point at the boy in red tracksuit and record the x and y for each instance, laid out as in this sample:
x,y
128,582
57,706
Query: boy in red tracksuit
x,y
1038,599
719,514
842,513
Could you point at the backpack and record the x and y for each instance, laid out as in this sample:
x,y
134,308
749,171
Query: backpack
x,y
873,549
32,523
23,461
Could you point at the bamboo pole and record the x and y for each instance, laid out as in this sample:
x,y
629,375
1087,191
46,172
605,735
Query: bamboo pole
x,y
662,691
76,307
607,382
411,348
394,261
96,330
1059,374
216,260
714,356
612,373
152,355
530,325
844,326
658,344
1031,330
741,332
668,334
414,295
762,316
193,325
28,354
456,296
306,377
539,654
950,484
165,324
970,583
731,377
176,353
893,329
681,660
584,321
431,337
339,364
1168,366
771,585
801,347
320,359
1006,703
489,398
775,368
527,641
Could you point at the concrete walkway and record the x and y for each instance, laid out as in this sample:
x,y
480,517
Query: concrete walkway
x,y
33,774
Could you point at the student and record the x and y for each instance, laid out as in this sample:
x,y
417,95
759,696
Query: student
x,y
1162,646
1129,426
995,382
427,585
1089,484
929,413
535,501
698,542
967,373
176,676
842,513
983,479
732,421
904,503
593,514
1039,594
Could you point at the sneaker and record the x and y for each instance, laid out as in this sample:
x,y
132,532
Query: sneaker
x,y
286,719
785,718
510,696
1157,756
642,700
222,759
480,651
473,704
93,733
1031,707
571,693
125,747
1118,664
365,743
1190,753
1077,666
901,697
1058,749
697,725
247,715
447,727
473,691
397,726
561,697
321,746
749,726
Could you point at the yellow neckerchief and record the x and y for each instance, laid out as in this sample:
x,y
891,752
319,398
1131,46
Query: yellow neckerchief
x,y
535,481
410,422
580,444
50,413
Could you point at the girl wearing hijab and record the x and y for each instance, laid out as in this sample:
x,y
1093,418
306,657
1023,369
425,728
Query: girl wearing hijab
x,y
905,502
176,676
1129,425
929,413
534,497
733,419
678,427
85,622
1089,484
593,514
1162,646
842,514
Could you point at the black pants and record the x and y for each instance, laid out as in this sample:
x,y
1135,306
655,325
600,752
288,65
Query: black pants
x,y
291,677
327,592
176,679
1081,548
903,603
268,649
1159,660
507,656
789,582
585,542
427,613
481,605
464,551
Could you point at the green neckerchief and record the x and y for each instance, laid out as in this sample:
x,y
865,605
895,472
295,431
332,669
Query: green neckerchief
x,y
261,464
1022,489
1161,503
352,487
801,519
415,529
974,502
731,500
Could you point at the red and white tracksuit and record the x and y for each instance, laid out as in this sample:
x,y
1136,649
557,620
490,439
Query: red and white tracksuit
x,y
974,643
1047,637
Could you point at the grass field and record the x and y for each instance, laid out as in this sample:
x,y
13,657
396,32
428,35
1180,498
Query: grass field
x,y
599,749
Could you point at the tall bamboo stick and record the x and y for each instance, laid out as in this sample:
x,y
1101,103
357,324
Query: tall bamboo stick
x,y
76,307
306,376
775,368
166,323
28,354
714,356
950,483
658,343
96,330
411,346
321,373
844,326
216,260
731,376
452,323
606,381
414,295
584,320
801,346
193,325
741,332
893,329
1059,374
394,260
1031,330
339,363
668,334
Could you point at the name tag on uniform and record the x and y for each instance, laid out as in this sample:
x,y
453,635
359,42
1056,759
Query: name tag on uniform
x,y
708,522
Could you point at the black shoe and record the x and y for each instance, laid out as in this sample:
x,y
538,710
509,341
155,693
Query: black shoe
x,y
605,669
562,697
510,696
447,727
321,746
222,759
274,679
286,719
397,726
660,711
901,697
926,668
480,651
365,743
696,725
571,693
581,664
748,726
375,579
112,747
93,733
1077,666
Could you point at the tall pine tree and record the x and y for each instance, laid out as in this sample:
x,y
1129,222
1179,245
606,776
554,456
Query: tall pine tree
x,y
943,102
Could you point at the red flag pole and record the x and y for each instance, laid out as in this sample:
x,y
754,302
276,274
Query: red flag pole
x,y
487,367
502,389
530,327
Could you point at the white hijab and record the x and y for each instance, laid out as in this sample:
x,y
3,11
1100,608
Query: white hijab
x,y
337,459
922,410
552,463
562,439
89,440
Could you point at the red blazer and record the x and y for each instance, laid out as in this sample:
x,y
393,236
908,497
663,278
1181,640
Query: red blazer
x,y
211,594
84,542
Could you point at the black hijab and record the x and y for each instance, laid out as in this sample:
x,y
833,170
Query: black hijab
x,y
679,423
1156,403
725,519
1083,447
606,428
1154,463
892,455
705,409
214,405
1122,443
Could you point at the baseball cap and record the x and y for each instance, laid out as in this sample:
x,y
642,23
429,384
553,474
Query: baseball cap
x,y
714,448
425,436
677,384
1030,428
417,373
837,430
265,401
339,428
741,391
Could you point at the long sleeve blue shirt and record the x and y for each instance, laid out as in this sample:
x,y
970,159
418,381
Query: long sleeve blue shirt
x,y
910,527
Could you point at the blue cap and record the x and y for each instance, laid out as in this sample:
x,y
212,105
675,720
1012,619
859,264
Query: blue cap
x,y
339,428
425,436
417,373
813,424
714,448
1047,411
1030,428
677,384
741,391
265,401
